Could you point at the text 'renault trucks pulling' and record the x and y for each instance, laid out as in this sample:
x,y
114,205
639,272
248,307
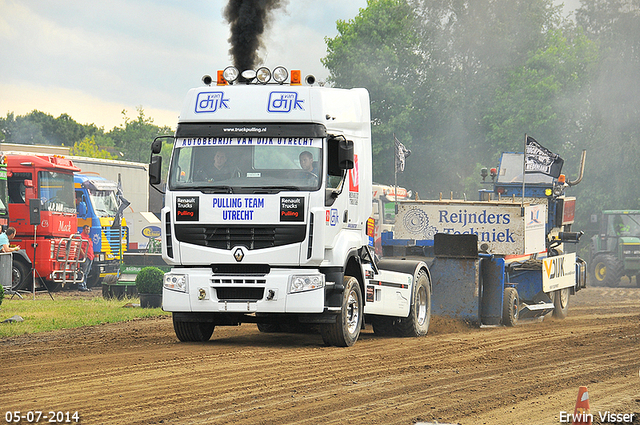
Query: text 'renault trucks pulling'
x,y
266,209
500,258
42,209
97,206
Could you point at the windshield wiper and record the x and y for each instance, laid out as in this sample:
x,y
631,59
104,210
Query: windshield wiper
x,y
272,189
217,189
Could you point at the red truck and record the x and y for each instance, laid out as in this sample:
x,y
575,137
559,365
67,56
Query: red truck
x,y
43,211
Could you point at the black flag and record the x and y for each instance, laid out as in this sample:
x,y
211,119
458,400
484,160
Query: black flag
x,y
122,205
401,154
538,159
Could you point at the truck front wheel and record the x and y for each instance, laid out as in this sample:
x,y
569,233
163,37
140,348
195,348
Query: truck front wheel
x,y
560,303
510,307
417,324
192,331
344,332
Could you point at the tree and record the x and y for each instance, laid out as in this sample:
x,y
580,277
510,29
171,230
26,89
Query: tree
x,y
89,148
376,50
134,137
39,128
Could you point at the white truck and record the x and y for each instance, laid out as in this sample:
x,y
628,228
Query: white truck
x,y
261,239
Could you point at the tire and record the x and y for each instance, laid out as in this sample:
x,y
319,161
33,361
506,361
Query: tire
x,y
192,331
510,307
344,332
269,328
383,325
638,280
417,324
561,303
607,270
20,276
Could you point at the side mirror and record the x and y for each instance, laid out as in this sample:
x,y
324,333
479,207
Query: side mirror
x,y
156,145
340,155
81,209
155,169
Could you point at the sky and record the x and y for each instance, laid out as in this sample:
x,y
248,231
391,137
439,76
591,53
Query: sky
x,y
94,59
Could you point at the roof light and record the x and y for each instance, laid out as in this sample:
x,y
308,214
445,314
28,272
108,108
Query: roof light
x,y
562,178
263,75
230,74
280,74
221,81
295,78
248,74
206,79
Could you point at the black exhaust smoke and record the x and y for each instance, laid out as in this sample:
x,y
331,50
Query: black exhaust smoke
x,y
248,20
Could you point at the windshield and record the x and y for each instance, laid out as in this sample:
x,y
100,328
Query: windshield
x,y
57,191
104,202
511,165
4,198
236,165
623,225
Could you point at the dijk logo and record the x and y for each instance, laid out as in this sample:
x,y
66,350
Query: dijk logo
x,y
211,102
282,101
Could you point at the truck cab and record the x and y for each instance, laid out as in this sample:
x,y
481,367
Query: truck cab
x,y
615,250
42,209
97,206
254,234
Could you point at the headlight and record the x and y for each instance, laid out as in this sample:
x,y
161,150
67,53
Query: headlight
x,y
263,75
175,282
280,74
305,283
230,74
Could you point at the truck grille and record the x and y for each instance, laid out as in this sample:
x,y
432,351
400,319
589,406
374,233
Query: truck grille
x,y
226,237
239,294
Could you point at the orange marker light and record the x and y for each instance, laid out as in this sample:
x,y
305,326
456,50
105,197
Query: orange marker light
x,y
221,80
295,78
562,178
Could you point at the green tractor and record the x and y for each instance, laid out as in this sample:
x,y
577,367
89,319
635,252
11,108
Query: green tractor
x,y
615,251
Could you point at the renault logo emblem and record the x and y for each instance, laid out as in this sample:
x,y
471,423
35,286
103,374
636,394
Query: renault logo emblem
x,y
238,254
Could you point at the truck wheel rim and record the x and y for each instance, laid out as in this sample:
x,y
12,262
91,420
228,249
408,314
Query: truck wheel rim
x,y
421,303
353,312
601,271
564,297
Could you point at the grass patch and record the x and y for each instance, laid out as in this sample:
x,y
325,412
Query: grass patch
x,y
67,311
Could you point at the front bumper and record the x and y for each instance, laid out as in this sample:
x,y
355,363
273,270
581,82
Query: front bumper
x,y
208,293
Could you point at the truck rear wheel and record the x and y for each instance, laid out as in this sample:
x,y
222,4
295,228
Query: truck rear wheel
x,y
417,324
510,307
560,303
607,270
20,276
344,332
192,331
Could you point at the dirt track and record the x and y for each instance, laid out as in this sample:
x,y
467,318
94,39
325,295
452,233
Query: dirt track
x,y
138,373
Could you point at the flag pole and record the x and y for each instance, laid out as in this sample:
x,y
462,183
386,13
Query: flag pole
x,y
524,162
395,173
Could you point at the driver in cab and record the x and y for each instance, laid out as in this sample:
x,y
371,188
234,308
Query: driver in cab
x,y
219,171
308,165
